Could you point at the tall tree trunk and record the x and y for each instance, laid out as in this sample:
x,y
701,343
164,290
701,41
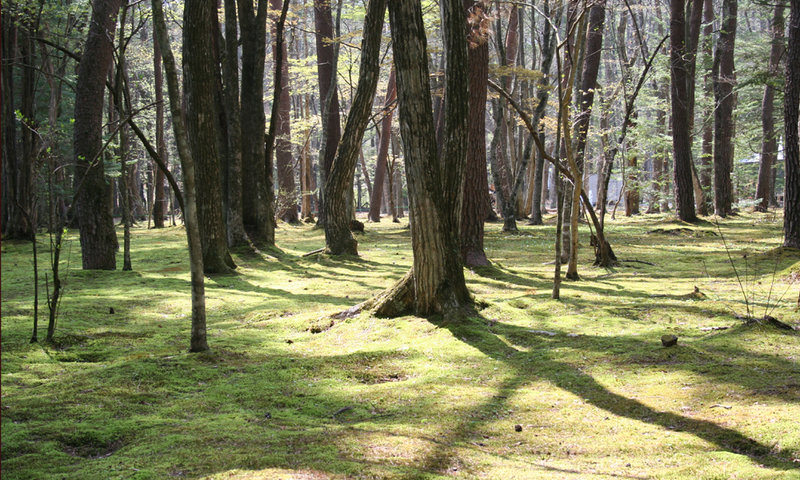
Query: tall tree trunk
x,y
476,184
791,113
383,150
98,237
200,88
707,153
769,143
160,198
681,120
10,210
338,239
724,81
287,200
258,214
198,341
328,94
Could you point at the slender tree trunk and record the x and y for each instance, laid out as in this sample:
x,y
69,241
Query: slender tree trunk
x,y
160,200
791,113
200,87
98,237
476,185
724,81
769,143
383,151
198,342
338,238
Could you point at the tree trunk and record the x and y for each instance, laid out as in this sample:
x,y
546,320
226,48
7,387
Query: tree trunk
x,y
769,143
476,185
160,197
791,112
338,238
681,121
724,81
200,87
198,342
383,150
257,200
328,94
98,237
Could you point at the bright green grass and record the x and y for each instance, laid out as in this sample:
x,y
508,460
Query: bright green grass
x,y
586,378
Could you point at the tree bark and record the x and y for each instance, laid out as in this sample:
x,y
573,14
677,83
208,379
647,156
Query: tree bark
x,y
476,184
160,198
200,87
338,238
791,112
724,80
98,237
383,151
769,143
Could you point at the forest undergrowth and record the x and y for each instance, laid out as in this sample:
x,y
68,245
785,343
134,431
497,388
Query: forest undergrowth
x,y
528,388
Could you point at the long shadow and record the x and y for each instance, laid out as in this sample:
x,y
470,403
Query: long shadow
x,y
538,363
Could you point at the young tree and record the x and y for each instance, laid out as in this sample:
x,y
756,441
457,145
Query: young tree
x,y
338,239
724,80
98,237
791,112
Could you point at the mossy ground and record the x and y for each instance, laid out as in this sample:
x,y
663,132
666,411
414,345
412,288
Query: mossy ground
x,y
586,378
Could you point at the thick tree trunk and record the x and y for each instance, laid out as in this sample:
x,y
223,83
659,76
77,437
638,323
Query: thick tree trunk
x,y
476,185
257,199
338,238
287,200
383,151
98,238
328,94
791,112
681,121
198,342
769,143
724,81
200,86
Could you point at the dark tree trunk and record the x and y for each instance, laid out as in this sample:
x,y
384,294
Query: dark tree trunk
x,y
769,143
338,238
233,114
476,184
160,199
383,151
791,112
287,200
93,201
704,202
328,95
200,88
257,199
198,341
681,120
724,81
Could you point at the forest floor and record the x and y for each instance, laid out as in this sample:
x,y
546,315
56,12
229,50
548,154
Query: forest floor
x,y
530,388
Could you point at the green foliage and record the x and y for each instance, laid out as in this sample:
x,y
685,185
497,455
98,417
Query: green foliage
x,y
118,396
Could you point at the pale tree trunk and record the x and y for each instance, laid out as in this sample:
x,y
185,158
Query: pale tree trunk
x,y
376,195
306,173
791,112
476,185
338,238
769,143
724,80
198,342
93,201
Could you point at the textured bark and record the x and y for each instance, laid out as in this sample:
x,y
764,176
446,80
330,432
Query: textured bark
x,y
198,341
769,143
338,238
257,199
681,120
791,112
287,200
383,151
328,95
476,184
724,80
200,87
160,198
93,200
9,124
435,184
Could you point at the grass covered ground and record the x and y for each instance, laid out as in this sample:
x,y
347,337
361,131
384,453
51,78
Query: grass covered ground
x,y
533,388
